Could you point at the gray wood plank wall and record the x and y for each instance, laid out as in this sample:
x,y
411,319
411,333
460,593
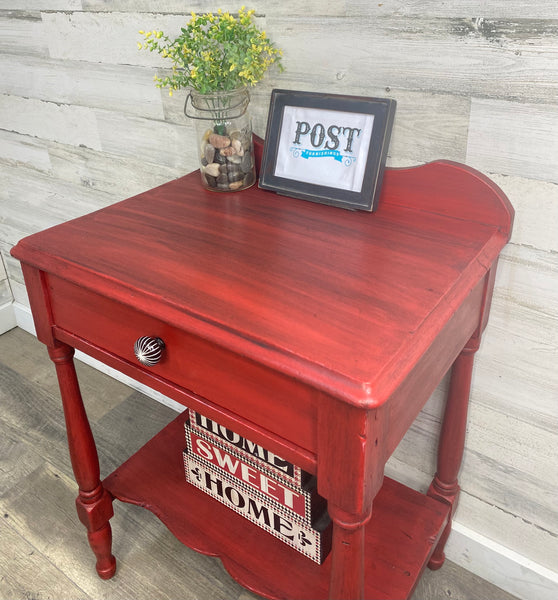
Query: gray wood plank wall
x,y
82,126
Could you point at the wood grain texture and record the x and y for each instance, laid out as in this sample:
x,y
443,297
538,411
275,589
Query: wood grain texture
x,y
414,54
30,193
72,125
24,150
324,7
461,71
19,558
125,89
514,139
536,207
510,9
23,35
84,168
443,253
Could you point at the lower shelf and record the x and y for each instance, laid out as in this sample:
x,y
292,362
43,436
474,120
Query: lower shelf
x,y
400,537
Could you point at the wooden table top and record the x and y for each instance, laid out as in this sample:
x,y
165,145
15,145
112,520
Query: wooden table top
x,y
336,298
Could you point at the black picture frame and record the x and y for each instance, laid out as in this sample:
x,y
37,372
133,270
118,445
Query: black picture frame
x,y
327,148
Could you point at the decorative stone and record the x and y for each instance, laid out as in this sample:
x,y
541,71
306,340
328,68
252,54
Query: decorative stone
x,y
232,168
224,135
237,146
209,153
219,158
229,151
246,163
212,169
236,176
219,141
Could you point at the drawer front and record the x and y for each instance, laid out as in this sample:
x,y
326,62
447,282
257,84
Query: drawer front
x,y
253,392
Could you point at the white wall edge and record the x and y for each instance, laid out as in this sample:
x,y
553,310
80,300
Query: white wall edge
x,y
501,566
493,562
7,317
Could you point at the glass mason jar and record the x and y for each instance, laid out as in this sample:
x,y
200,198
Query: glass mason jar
x,y
224,138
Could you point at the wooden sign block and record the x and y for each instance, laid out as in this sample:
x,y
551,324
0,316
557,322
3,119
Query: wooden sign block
x,y
313,542
299,502
267,461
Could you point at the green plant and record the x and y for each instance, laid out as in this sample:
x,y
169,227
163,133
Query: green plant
x,y
214,52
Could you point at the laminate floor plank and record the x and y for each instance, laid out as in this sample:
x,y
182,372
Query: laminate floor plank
x,y
44,554
31,422
22,353
127,427
151,562
27,574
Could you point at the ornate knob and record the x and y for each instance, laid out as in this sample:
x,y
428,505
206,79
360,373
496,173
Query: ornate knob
x,y
149,350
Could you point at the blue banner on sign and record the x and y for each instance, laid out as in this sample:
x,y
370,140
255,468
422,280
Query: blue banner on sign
x,y
313,153
335,154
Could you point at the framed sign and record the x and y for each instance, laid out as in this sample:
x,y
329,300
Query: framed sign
x,y
327,148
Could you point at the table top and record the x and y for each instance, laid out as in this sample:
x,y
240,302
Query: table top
x,y
339,299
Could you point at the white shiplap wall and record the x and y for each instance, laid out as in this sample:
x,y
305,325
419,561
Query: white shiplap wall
x,y
82,126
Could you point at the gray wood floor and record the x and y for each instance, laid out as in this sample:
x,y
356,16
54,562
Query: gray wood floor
x,y
44,554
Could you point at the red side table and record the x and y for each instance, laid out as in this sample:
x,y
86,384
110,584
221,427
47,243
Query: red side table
x,y
316,332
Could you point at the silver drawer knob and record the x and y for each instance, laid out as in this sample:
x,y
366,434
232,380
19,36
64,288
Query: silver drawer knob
x,y
149,350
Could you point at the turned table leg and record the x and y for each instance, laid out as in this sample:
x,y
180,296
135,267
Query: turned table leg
x,y
347,566
351,458
94,503
445,486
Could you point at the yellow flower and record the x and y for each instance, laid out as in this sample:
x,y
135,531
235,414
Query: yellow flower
x,y
139,46
209,42
141,32
170,92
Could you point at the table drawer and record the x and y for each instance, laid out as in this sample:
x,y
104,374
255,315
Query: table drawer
x,y
254,392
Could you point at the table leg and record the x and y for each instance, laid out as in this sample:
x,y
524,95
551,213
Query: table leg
x,y
347,566
94,503
445,486
351,458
